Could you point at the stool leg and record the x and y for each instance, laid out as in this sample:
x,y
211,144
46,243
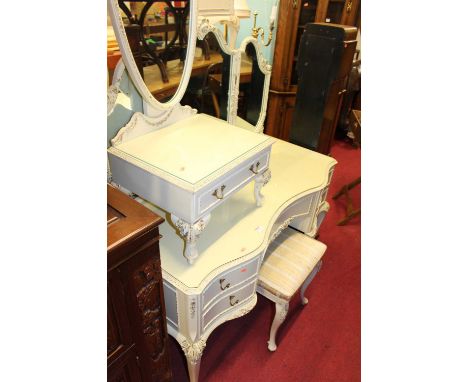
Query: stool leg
x,y
280,315
308,281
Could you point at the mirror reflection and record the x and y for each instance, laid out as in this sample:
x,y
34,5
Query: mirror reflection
x,y
250,87
208,87
157,32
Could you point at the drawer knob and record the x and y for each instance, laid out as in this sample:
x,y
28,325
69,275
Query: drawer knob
x,y
221,281
254,168
219,192
231,298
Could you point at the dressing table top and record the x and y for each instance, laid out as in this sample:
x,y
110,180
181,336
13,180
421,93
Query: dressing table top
x,y
183,149
238,229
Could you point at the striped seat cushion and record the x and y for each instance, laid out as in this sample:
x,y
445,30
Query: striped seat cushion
x,y
289,259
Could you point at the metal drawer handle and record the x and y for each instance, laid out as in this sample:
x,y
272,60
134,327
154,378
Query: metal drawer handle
x,y
221,281
254,168
219,192
231,302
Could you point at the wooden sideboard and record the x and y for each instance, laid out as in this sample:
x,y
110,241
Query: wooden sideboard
x,y
137,341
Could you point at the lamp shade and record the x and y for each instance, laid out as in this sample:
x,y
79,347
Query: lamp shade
x,y
241,9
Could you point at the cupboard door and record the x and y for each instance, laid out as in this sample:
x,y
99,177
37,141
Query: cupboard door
x,y
121,353
335,11
351,13
147,313
125,369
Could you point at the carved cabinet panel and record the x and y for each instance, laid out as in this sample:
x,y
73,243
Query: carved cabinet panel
x,y
137,348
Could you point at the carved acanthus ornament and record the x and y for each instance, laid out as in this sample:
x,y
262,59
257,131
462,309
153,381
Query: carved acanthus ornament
x,y
281,228
193,350
190,233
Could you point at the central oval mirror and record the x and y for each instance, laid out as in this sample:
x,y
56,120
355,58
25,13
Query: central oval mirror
x,y
157,40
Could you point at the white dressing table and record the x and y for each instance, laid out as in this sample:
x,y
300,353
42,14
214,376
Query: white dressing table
x,y
197,169
221,284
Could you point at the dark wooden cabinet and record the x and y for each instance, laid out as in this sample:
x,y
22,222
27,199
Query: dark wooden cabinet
x,y
137,340
293,15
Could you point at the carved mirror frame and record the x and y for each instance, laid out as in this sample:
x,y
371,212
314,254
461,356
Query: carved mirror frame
x,y
130,64
206,26
265,68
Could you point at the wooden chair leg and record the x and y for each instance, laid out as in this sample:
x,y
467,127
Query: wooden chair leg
x,y
347,187
215,104
280,316
308,280
350,211
349,216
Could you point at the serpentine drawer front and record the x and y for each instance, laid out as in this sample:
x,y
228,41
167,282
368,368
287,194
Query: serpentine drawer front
x,y
230,184
300,207
229,280
228,302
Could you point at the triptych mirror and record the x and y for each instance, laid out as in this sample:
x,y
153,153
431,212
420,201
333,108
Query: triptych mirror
x,y
173,57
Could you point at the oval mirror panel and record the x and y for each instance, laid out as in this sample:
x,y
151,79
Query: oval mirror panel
x,y
156,42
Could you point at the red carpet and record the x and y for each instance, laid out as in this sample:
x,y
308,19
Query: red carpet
x,y
320,342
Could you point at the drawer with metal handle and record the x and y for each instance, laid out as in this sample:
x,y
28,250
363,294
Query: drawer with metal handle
x,y
228,302
229,281
215,194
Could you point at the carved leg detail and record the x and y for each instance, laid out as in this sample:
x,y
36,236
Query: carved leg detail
x,y
260,181
308,281
190,233
280,316
193,353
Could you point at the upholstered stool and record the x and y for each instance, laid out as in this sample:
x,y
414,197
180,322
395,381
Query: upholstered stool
x,y
292,260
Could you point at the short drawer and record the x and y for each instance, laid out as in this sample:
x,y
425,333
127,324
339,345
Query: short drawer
x,y
232,182
229,280
228,302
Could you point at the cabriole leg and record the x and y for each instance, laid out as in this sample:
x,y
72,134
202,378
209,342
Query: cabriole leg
x,y
194,370
260,181
308,281
193,352
280,316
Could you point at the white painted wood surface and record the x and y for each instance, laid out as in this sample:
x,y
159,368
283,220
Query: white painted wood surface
x,y
189,167
194,148
232,248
